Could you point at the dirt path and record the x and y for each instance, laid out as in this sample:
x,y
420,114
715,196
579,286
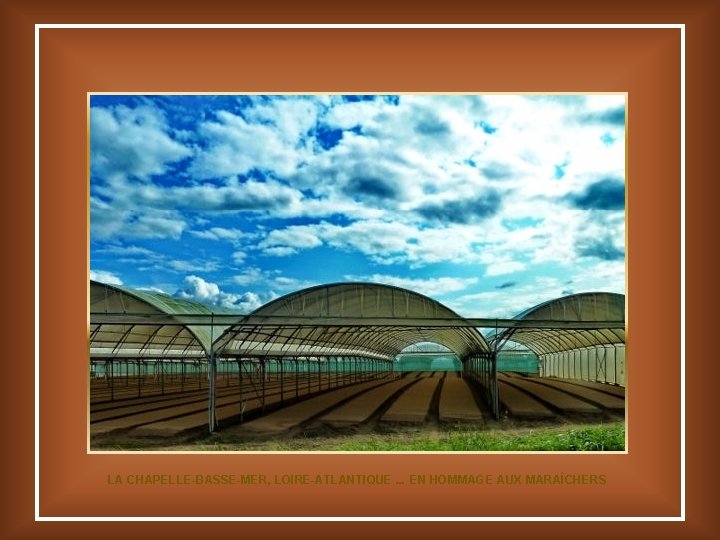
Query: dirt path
x,y
292,416
457,403
413,405
422,399
521,404
362,407
556,398
602,399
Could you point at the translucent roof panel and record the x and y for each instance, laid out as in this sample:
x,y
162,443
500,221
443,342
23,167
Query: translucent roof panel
x,y
598,307
150,338
356,309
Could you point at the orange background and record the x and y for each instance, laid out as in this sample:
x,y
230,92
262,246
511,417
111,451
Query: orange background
x,y
77,61
645,63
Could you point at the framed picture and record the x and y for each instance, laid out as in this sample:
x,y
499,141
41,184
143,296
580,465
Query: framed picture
x,y
642,64
266,272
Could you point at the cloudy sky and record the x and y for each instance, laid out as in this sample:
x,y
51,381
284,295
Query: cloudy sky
x,y
488,203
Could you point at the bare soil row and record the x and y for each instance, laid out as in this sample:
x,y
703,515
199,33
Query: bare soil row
x,y
339,401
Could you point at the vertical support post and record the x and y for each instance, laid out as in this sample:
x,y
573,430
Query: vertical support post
x,y
282,382
212,420
262,374
615,362
580,377
211,392
319,372
574,370
138,378
112,382
494,386
297,380
240,384
492,376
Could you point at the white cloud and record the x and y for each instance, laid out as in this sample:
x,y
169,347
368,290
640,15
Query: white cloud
x,y
236,147
272,280
374,238
432,287
280,251
383,242
126,250
105,277
154,226
153,289
300,236
406,156
232,196
438,126
131,142
192,265
239,257
293,117
503,267
604,276
109,222
371,238
347,115
291,284
146,260
508,302
481,181
397,171
250,275
208,293
222,233
198,288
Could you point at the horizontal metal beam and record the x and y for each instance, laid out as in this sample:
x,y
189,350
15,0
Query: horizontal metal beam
x,y
314,356
134,355
293,321
427,353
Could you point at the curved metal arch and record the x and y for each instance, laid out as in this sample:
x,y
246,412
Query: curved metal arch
x,y
168,339
361,302
590,306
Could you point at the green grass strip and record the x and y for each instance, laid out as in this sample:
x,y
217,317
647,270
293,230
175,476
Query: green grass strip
x,y
607,437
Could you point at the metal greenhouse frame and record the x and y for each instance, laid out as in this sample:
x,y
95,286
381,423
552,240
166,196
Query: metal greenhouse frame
x,y
338,334
593,353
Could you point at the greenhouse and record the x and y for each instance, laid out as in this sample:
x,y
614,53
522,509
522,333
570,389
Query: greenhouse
x,y
146,345
592,353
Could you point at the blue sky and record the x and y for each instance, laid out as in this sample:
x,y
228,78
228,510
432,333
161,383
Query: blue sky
x,y
488,203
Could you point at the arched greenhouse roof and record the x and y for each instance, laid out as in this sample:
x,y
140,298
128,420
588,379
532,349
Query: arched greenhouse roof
x,y
342,319
584,307
362,315
162,333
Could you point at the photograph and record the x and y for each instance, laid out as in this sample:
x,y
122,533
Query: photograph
x,y
357,272
289,277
